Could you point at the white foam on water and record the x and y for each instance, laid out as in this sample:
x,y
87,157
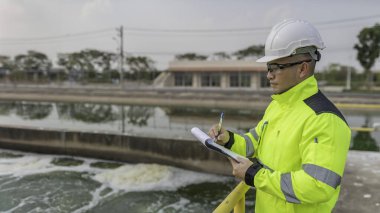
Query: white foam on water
x,y
147,177
32,163
177,206
22,203
96,199
127,178
358,184
25,165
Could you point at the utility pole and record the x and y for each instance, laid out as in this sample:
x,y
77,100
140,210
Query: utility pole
x,y
121,70
348,79
121,35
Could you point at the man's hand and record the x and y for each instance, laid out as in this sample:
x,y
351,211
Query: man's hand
x,y
239,169
221,137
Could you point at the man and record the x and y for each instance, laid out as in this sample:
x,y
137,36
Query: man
x,y
299,148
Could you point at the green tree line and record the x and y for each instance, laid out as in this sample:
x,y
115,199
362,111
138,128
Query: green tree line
x,y
93,66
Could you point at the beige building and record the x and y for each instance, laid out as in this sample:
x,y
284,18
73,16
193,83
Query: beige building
x,y
214,74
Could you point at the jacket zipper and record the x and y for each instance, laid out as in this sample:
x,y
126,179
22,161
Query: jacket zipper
x,y
263,129
315,153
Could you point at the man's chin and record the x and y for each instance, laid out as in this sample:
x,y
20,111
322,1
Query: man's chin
x,y
275,91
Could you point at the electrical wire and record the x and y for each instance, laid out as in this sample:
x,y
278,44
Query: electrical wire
x,y
239,30
81,34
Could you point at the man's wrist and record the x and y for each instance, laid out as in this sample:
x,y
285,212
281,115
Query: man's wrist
x,y
230,141
251,173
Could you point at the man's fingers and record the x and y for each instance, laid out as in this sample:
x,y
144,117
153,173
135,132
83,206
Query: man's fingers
x,y
233,166
233,162
240,159
211,132
215,133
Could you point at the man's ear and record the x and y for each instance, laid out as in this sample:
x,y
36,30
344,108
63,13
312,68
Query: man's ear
x,y
304,70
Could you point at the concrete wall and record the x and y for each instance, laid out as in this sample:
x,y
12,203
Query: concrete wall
x,y
188,154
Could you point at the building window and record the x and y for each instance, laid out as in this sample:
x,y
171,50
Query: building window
x,y
245,79
234,80
210,80
183,79
240,79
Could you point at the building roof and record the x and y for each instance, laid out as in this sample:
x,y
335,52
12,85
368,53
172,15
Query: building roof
x,y
218,66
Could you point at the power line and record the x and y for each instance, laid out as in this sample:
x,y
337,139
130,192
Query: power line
x,y
54,41
59,36
157,30
237,30
356,19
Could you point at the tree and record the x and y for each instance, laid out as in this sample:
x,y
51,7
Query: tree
x,y
6,62
368,50
33,62
254,50
88,62
141,66
333,74
221,56
190,57
6,66
72,63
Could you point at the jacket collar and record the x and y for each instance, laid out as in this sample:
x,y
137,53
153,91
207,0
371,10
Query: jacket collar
x,y
301,91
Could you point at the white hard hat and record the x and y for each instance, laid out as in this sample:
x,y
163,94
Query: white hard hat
x,y
288,36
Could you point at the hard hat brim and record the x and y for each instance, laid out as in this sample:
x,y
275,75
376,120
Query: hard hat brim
x,y
266,59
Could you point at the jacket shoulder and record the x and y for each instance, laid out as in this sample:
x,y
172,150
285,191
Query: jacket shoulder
x,y
319,103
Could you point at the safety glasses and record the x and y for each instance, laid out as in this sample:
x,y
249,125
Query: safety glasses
x,y
274,67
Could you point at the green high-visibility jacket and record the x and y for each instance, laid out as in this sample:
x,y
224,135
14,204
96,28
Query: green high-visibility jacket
x,y
302,141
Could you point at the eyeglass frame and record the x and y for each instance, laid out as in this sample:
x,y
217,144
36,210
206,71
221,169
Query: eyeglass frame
x,y
283,66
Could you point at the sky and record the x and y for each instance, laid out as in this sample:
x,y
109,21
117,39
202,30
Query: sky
x,y
162,28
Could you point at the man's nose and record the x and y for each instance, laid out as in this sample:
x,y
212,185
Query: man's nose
x,y
270,75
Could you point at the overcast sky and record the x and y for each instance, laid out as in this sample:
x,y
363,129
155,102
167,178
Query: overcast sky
x,y
161,28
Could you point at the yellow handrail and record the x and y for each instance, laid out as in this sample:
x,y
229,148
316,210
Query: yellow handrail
x,y
356,106
235,200
363,129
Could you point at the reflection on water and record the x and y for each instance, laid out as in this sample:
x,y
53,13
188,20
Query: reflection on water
x,y
139,115
364,141
87,112
6,107
150,121
33,110
368,141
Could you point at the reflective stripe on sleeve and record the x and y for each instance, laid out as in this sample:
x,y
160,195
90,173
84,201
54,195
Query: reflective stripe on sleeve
x,y
287,188
254,134
248,145
322,174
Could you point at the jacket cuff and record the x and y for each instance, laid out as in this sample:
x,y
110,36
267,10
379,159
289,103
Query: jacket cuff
x,y
249,178
231,141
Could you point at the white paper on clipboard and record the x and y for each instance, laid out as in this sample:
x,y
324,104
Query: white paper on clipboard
x,y
210,143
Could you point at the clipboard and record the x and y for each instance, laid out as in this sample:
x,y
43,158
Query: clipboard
x,y
210,144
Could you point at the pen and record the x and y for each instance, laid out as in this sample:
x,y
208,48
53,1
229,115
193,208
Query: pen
x,y
220,123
